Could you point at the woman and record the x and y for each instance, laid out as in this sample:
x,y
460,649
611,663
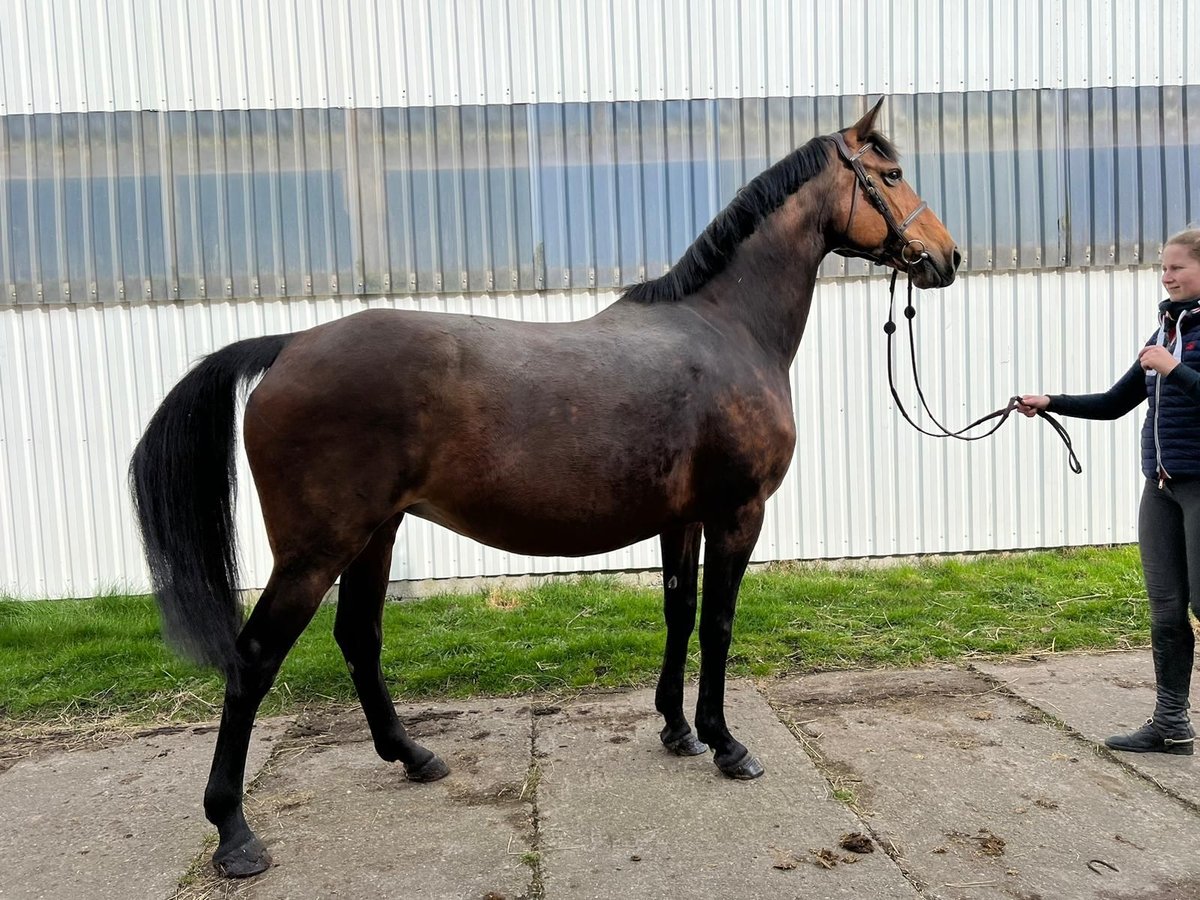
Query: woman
x,y
1167,373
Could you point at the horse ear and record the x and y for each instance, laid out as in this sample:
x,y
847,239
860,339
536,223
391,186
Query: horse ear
x,y
866,124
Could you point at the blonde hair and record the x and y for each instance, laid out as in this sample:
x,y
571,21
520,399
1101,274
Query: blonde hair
x,y
1189,238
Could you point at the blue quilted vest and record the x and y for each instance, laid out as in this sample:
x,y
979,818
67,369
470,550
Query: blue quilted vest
x,y
1171,432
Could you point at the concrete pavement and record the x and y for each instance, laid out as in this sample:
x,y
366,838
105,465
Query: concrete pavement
x,y
978,781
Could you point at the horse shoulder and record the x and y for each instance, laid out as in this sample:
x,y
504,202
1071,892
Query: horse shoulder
x,y
754,428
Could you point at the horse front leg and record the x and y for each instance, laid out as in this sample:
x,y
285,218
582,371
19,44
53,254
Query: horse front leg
x,y
680,559
358,630
282,612
729,544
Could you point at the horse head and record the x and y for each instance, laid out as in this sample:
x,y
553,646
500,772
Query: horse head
x,y
891,225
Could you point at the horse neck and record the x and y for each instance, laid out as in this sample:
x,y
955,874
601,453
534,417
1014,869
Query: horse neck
x,y
767,288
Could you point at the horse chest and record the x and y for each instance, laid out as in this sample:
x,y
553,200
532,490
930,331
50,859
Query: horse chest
x,y
756,434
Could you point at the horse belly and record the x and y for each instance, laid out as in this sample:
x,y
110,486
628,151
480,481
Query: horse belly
x,y
544,525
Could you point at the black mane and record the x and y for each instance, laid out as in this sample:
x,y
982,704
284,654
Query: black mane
x,y
711,251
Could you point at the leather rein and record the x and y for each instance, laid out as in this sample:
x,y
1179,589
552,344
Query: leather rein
x,y
911,252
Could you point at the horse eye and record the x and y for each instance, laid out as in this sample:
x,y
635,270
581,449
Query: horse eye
x,y
893,177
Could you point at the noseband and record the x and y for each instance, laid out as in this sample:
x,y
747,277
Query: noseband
x,y
908,252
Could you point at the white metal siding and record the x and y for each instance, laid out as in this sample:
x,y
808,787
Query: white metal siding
x,y
81,382
62,56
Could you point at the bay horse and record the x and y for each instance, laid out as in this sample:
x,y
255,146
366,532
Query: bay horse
x,y
668,413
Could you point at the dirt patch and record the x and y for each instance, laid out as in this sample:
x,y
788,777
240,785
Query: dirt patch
x,y
33,740
856,842
430,722
501,793
504,599
873,686
1129,685
985,841
784,860
285,801
824,858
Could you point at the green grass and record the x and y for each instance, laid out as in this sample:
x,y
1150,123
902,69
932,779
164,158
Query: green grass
x,y
105,657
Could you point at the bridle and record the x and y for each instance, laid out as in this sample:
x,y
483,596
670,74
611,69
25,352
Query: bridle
x,y
896,247
909,252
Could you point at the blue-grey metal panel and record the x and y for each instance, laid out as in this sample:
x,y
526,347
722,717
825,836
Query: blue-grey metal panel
x,y
1033,180
478,269
630,222
267,203
342,274
296,275
554,226
958,192
1002,160
20,231
1191,152
656,212
579,209
1111,127
1175,162
240,204
1148,220
1078,152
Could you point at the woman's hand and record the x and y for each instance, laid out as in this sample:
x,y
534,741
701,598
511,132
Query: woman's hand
x,y
1032,404
1158,359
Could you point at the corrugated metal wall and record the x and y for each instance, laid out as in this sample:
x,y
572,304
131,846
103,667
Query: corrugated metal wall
x,y
174,177
186,205
80,383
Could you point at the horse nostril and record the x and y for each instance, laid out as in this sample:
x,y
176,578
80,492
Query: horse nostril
x,y
957,259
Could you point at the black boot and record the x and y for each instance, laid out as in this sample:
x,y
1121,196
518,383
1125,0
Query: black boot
x,y
1169,730
1150,739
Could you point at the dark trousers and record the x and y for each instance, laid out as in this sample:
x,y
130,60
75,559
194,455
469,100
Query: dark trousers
x,y
1169,540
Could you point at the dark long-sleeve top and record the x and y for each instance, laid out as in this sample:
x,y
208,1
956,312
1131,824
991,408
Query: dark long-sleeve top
x,y
1171,429
1124,396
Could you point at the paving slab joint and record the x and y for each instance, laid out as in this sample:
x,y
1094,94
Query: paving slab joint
x,y
832,778
1097,749
529,794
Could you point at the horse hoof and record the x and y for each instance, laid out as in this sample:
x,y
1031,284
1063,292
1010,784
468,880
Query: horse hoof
x,y
249,859
745,768
431,770
688,745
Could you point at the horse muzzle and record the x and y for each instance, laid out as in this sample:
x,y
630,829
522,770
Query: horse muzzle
x,y
927,270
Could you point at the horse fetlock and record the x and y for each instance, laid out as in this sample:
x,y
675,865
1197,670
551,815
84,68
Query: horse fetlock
x,y
713,732
223,807
668,702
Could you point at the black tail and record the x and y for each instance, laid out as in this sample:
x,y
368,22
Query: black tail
x,y
183,475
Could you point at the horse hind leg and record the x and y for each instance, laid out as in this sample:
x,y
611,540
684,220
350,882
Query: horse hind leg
x,y
284,610
358,630
680,556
